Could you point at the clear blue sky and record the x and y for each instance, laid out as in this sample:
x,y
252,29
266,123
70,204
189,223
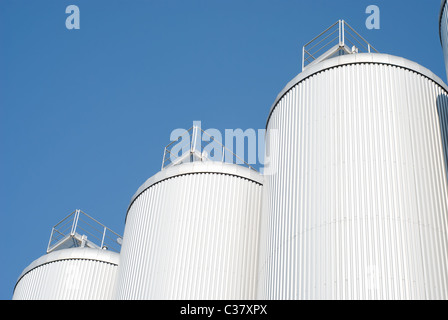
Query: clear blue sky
x,y
85,114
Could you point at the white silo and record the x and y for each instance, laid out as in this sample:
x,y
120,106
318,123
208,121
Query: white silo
x,y
192,233
443,31
356,188
80,263
70,274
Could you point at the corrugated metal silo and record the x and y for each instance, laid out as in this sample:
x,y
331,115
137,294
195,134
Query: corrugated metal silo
x,y
70,274
192,233
81,263
357,202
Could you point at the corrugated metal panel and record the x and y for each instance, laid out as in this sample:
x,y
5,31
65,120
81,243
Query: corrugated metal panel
x,y
70,274
192,235
357,193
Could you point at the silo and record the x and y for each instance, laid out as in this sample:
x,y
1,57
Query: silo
x,y
81,263
356,188
192,233
443,31
70,274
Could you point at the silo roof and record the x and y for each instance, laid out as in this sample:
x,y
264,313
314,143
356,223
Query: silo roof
x,y
199,167
82,253
375,58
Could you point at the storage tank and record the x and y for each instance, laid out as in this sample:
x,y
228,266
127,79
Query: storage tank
x,y
192,233
356,202
81,263
443,31
80,273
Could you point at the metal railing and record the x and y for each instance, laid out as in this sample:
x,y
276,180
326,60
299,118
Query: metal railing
x,y
340,36
79,229
194,150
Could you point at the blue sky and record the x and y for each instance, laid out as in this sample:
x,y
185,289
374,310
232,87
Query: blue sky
x,y
85,114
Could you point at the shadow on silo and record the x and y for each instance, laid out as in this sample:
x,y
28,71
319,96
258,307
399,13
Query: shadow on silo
x,y
442,110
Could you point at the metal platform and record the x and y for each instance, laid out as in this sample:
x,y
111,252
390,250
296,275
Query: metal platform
x,y
338,39
191,147
79,229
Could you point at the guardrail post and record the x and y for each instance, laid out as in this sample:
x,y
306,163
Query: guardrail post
x,y
102,240
75,222
303,57
163,160
51,238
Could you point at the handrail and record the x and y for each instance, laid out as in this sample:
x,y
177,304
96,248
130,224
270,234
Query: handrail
x,y
195,151
345,36
84,229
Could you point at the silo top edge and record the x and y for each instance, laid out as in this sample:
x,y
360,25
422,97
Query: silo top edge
x,y
82,253
442,7
200,167
372,58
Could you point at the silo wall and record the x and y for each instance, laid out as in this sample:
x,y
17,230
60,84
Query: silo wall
x,y
69,274
356,187
192,233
